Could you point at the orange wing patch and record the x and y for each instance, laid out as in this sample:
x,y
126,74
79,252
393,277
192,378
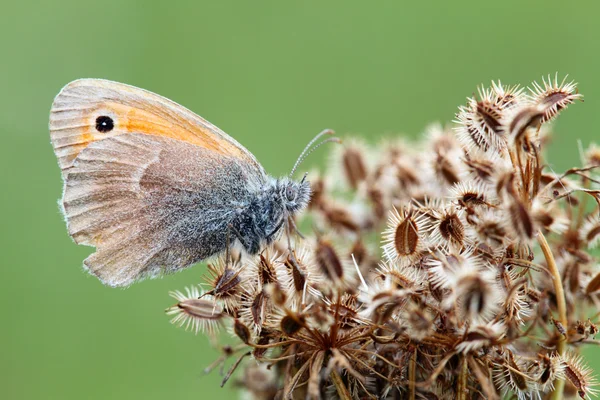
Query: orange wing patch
x,y
75,123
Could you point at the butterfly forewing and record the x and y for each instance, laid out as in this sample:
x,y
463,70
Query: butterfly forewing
x,y
88,110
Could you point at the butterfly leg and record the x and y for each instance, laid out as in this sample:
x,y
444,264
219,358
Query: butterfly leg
x,y
274,231
251,245
296,230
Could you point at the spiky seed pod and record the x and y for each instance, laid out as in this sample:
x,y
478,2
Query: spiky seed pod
x,y
195,313
241,331
448,230
592,155
519,120
354,166
225,283
552,97
403,239
479,336
548,370
590,232
580,375
480,123
333,265
519,221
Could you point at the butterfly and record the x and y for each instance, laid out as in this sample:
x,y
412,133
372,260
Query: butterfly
x,y
155,188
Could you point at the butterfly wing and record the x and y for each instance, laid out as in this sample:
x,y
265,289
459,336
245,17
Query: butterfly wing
x,y
151,200
75,113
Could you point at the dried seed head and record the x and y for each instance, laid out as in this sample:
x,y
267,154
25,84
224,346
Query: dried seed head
x,y
480,336
225,283
476,295
470,194
480,166
456,285
241,331
519,221
195,313
549,217
448,230
403,238
519,120
349,164
580,375
507,96
332,265
510,375
593,285
549,369
590,231
480,121
354,165
260,381
592,155
340,217
300,278
491,229
417,321
396,276
552,97
292,323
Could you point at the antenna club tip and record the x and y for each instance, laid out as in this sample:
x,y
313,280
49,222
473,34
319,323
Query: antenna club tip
x,y
328,132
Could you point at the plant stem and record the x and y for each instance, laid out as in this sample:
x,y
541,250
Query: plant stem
x,y
462,380
412,375
341,388
561,304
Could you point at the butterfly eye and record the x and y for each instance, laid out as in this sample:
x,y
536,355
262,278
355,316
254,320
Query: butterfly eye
x,y
290,193
104,124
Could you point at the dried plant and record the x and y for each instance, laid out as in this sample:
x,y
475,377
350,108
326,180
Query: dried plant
x,y
482,284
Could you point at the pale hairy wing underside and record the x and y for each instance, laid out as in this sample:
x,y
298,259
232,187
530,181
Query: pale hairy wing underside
x,y
151,204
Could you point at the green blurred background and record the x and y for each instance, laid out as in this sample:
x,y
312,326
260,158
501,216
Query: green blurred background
x,y
270,73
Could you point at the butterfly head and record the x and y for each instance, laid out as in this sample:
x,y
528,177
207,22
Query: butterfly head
x,y
294,195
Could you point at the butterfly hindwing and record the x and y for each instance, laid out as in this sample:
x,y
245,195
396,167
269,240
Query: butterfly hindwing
x,y
151,204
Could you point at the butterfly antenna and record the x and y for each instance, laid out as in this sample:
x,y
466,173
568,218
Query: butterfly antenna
x,y
308,149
